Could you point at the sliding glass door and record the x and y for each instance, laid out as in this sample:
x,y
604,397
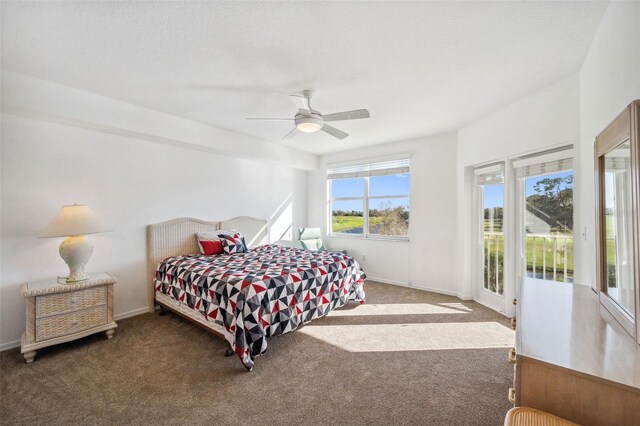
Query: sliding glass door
x,y
523,222
493,238
545,211
490,220
548,210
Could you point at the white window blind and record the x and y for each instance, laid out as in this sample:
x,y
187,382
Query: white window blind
x,y
544,164
618,159
617,163
378,168
489,175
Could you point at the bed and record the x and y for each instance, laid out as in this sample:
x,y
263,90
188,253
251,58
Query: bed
x,y
246,297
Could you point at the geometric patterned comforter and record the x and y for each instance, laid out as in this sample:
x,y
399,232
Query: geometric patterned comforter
x,y
269,290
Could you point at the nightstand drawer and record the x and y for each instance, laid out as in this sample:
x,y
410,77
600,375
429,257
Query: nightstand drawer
x,y
60,325
59,303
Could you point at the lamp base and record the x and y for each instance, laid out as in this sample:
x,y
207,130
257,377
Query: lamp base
x,y
76,251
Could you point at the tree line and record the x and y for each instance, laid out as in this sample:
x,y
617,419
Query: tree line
x,y
552,202
402,212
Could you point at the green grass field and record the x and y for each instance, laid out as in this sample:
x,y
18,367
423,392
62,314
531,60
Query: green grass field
x,y
541,250
497,225
346,223
545,250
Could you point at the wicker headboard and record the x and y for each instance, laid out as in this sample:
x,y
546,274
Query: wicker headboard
x,y
253,230
177,236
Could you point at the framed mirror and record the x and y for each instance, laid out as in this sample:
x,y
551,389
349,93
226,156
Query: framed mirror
x,y
618,245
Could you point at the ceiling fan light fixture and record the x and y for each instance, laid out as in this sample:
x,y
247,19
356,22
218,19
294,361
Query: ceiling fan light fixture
x,y
309,124
309,127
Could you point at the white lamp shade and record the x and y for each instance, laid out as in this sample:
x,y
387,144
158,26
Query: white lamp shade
x,y
74,220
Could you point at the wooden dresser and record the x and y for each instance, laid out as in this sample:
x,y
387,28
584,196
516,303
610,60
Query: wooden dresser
x,y
57,313
572,358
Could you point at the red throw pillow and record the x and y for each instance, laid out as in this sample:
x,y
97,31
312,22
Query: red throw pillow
x,y
209,243
211,247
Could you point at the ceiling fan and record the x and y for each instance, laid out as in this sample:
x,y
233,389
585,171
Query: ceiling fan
x,y
308,120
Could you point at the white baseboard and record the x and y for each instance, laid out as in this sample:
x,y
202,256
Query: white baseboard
x,y
133,313
419,287
9,345
386,281
122,315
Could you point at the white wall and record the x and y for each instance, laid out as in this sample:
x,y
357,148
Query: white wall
x,y
130,183
545,119
609,81
31,97
574,111
133,166
428,260
438,255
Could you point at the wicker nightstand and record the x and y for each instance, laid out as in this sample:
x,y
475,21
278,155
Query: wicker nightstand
x,y
58,313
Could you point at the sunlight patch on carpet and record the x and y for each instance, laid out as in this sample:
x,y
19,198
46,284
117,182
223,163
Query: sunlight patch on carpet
x,y
457,305
399,309
413,337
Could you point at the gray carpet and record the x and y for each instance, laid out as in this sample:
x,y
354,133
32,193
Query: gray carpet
x,y
392,363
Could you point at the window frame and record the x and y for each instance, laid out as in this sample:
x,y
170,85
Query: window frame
x,y
626,126
365,213
496,174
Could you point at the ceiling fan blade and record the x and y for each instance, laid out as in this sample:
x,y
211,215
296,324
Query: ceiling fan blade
x,y
269,119
347,115
300,101
334,132
291,134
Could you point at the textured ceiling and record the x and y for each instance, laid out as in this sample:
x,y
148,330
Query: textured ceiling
x,y
420,68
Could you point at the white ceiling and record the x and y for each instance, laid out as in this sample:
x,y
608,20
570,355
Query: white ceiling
x,y
420,68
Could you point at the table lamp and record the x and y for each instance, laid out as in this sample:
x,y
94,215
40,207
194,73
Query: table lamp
x,y
75,221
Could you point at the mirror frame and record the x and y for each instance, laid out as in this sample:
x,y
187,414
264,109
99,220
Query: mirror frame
x,y
625,126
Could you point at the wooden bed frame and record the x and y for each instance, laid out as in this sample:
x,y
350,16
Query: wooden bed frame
x,y
177,237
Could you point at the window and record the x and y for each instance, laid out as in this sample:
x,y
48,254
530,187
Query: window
x,y
370,199
546,182
490,183
347,205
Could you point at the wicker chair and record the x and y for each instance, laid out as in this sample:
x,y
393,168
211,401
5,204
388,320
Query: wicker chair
x,y
525,416
310,239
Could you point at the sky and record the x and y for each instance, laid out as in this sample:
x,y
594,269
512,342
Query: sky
x,y
494,197
378,185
